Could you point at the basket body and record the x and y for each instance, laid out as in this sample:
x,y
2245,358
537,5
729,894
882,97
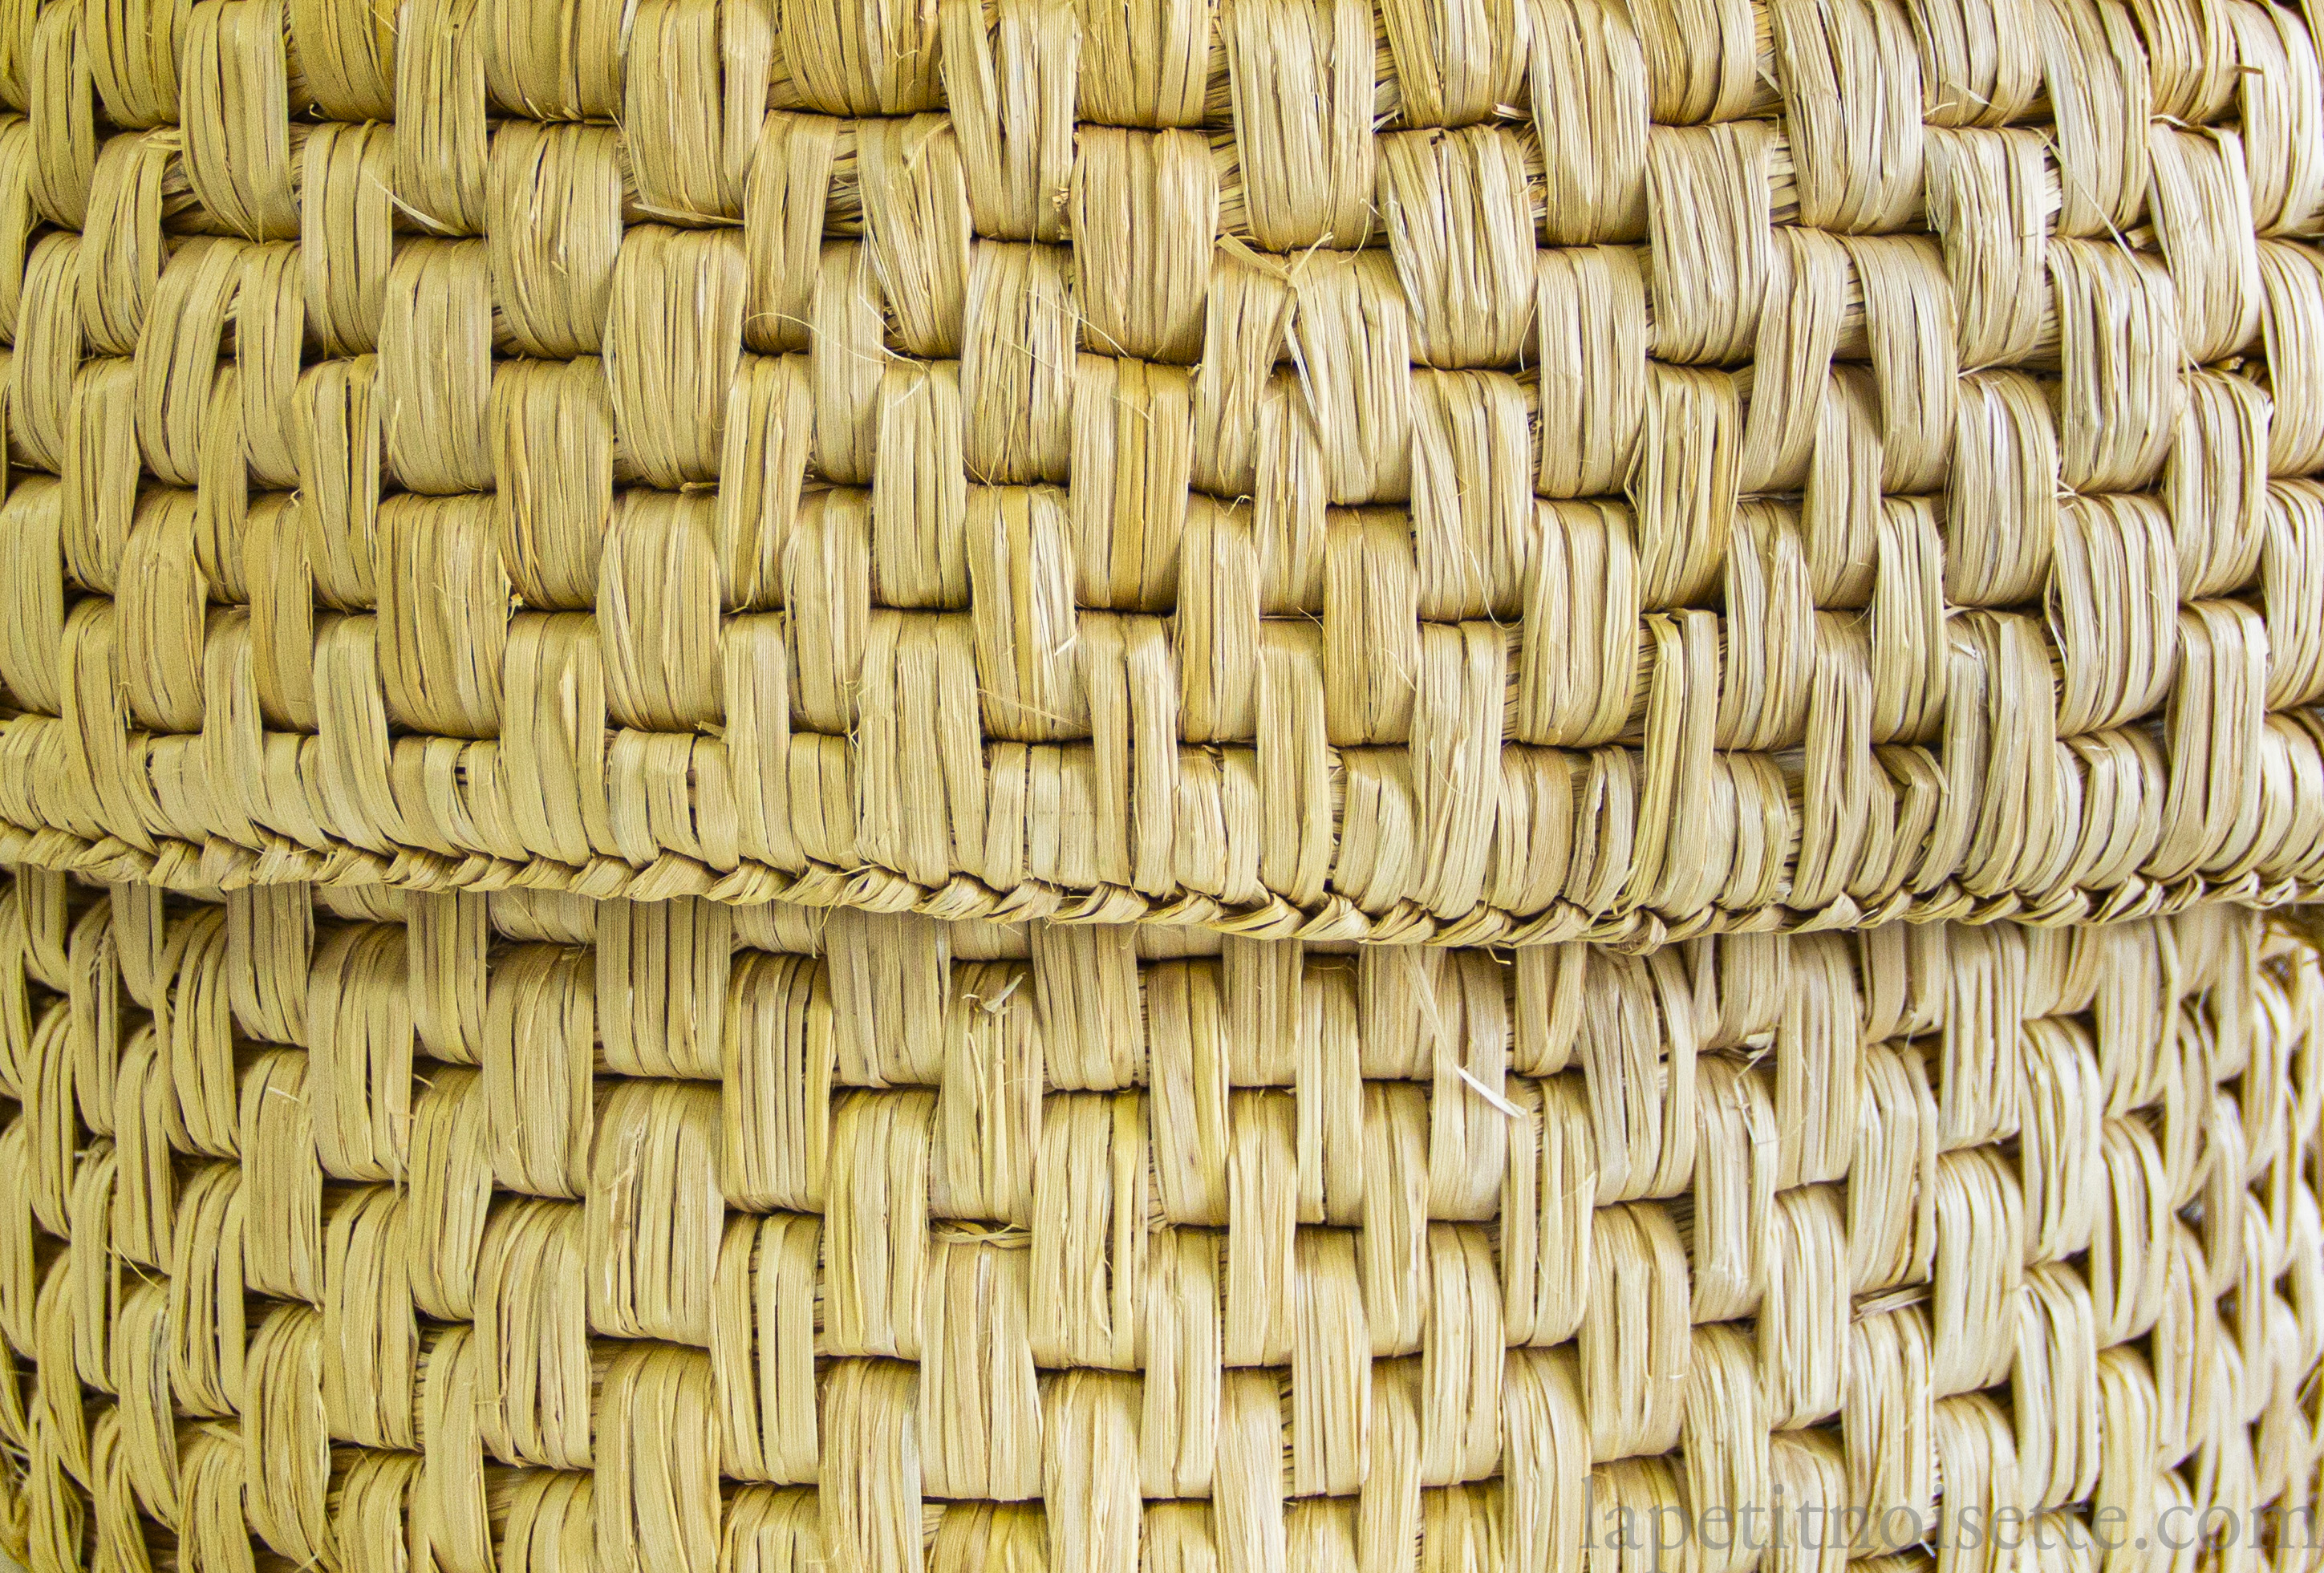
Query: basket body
x,y
363,1227
1160,786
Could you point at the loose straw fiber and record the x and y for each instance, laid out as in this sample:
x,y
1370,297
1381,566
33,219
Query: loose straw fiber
x,y
1121,786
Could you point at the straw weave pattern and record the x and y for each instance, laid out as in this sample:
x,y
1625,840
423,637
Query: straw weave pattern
x,y
1480,470
1122,786
382,1231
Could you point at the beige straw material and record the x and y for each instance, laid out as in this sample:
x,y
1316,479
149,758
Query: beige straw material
x,y
380,1231
1470,471
1121,786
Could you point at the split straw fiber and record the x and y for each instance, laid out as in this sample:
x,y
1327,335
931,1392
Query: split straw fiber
x,y
1160,786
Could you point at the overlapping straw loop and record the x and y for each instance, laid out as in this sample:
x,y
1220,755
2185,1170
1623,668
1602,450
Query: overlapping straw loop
x,y
376,1231
1470,471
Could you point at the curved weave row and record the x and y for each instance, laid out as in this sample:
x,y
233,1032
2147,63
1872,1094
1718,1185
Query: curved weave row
x,y
396,1233
1482,469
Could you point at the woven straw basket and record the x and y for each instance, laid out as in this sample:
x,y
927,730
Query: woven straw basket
x,y
1161,785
